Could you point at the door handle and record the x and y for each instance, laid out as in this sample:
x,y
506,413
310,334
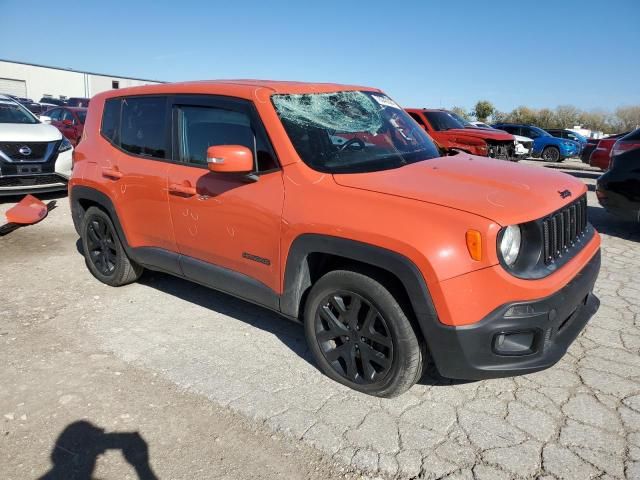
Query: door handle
x,y
112,173
176,188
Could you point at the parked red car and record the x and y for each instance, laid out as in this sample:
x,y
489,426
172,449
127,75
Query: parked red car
x,y
69,120
449,134
601,155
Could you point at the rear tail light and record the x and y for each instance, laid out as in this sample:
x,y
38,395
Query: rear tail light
x,y
622,146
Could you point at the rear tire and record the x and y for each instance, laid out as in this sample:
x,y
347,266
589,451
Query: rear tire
x,y
551,154
360,336
104,254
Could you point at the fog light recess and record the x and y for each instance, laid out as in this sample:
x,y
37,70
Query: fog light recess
x,y
514,343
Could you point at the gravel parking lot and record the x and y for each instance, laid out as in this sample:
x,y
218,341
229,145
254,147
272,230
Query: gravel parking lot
x,y
219,388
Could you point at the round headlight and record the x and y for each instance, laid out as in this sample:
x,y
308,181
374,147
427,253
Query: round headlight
x,y
510,244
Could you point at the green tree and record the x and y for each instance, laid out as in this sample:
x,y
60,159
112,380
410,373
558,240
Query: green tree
x,y
628,118
483,110
567,116
523,114
500,117
597,120
545,118
462,112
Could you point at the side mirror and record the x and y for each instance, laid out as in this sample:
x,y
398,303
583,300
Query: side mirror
x,y
45,119
229,159
67,123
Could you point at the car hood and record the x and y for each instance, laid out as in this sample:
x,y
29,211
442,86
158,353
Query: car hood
x,y
483,133
520,138
504,192
35,132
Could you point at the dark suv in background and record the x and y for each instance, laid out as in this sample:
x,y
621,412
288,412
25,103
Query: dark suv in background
x,y
618,190
53,101
78,102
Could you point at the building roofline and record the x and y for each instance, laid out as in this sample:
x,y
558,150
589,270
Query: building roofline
x,y
80,71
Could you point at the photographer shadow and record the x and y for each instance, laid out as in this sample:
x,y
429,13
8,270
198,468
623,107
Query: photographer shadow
x,y
76,451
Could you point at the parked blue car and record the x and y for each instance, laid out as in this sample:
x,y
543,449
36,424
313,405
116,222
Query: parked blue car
x,y
545,145
569,135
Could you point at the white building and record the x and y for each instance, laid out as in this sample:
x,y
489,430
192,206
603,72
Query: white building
x,y
37,81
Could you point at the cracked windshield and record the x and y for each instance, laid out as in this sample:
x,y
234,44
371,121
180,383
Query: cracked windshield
x,y
352,131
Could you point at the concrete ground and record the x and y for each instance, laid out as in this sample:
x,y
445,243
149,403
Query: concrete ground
x,y
166,379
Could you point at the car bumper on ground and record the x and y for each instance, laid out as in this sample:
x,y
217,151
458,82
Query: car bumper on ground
x,y
521,337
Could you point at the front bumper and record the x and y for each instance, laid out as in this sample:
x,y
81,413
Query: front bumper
x,y
479,351
569,152
19,185
17,178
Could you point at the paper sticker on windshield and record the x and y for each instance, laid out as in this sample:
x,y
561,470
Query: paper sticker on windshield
x,y
385,101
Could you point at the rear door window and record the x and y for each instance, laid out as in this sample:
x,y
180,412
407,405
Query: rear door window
x,y
143,129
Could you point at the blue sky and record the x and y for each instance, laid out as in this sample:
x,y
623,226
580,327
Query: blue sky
x,y
422,53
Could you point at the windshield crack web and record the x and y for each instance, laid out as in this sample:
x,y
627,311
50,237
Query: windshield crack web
x,y
347,111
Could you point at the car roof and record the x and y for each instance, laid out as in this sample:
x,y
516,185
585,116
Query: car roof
x,y
237,88
7,97
75,109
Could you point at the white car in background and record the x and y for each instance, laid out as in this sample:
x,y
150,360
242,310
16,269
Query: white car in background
x,y
523,144
34,156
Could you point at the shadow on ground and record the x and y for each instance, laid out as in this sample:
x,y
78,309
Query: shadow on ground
x,y
290,333
78,447
608,224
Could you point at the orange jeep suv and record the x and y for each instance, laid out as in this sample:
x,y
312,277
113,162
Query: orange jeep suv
x,y
330,205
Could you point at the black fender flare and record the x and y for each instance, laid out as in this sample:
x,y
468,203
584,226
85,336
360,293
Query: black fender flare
x,y
296,274
80,192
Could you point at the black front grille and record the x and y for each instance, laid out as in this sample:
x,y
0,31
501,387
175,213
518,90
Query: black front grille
x,y
30,181
500,149
12,150
562,229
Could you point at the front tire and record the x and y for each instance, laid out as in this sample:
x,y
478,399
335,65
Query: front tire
x,y
104,254
360,336
551,154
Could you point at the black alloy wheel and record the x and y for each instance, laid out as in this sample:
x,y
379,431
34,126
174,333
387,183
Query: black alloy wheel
x,y
102,248
104,254
354,337
360,335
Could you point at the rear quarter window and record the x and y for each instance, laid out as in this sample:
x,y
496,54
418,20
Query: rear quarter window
x,y
110,128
